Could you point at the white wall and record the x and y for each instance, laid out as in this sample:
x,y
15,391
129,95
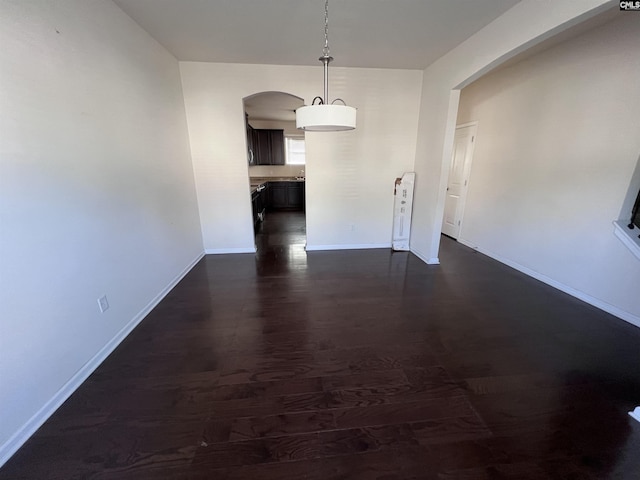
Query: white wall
x,y
349,174
526,24
96,196
557,144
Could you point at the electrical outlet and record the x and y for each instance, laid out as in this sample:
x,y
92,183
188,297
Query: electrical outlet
x,y
103,304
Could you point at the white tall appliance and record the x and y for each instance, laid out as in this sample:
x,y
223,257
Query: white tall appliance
x,y
402,207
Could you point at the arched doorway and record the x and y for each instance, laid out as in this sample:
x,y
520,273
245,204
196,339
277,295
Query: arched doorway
x,y
276,158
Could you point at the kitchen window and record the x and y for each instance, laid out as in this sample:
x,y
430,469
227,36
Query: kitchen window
x,y
294,150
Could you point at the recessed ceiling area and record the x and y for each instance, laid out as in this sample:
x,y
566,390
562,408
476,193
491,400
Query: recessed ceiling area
x,y
407,34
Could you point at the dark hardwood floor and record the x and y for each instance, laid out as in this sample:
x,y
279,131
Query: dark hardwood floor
x,y
353,365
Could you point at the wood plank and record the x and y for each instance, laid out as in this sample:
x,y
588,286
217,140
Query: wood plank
x,y
352,365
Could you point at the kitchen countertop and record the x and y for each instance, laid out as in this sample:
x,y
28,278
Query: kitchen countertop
x,y
255,182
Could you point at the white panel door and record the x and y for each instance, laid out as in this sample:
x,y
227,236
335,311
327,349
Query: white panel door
x,y
458,179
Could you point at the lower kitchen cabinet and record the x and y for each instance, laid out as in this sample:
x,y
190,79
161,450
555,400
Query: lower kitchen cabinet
x,y
259,202
295,194
287,195
255,209
278,199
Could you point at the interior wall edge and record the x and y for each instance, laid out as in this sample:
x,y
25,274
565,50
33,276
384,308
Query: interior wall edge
x,y
595,302
425,258
13,444
445,165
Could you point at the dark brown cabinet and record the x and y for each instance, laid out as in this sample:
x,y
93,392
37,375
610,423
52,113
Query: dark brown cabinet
x,y
269,146
287,195
251,142
263,147
278,199
255,209
276,141
295,195
259,202
268,196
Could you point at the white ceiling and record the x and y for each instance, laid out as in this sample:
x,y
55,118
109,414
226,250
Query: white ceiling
x,y
362,33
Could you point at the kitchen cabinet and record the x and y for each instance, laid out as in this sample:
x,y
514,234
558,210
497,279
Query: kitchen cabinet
x,y
278,199
276,139
287,195
263,147
269,146
251,141
254,209
295,195
265,198
259,201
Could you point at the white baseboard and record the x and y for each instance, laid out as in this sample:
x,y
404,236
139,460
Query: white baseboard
x,y
221,251
612,309
469,244
363,246
16,440
425,258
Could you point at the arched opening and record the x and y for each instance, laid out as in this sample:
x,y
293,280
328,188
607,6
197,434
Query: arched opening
x,y
277,178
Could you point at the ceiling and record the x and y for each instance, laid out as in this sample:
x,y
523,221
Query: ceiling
x,y
408,34
272,106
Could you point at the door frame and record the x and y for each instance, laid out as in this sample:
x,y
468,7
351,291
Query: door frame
x,y
466,173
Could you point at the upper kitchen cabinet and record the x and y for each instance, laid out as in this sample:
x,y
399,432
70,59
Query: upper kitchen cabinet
x,y
269,146
276,138
251,140
269,116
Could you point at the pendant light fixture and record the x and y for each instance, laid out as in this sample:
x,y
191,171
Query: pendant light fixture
x,y
325,116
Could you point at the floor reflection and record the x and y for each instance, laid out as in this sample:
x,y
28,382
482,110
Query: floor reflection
x,y
281,270
280,243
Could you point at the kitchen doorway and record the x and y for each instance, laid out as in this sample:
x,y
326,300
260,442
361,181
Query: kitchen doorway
x,y
277,177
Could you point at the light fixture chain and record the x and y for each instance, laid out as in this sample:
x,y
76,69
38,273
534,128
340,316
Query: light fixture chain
x,y
325,50
326,116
